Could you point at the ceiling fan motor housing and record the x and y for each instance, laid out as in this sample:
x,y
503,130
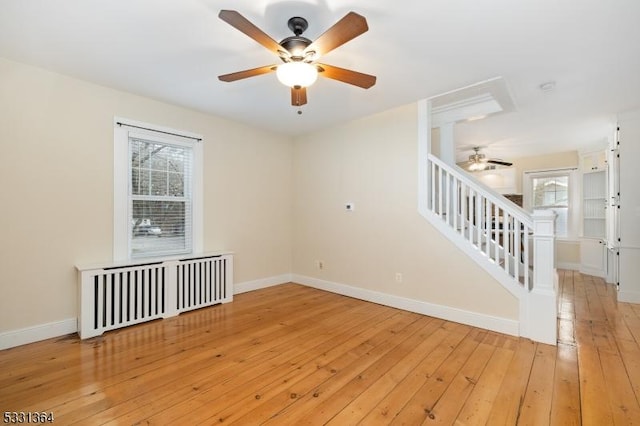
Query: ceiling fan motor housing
x,y
295,44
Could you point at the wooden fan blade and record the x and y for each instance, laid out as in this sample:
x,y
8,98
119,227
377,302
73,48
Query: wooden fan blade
x,y
247,73
347,76
348,28
500,162
298,96
242,24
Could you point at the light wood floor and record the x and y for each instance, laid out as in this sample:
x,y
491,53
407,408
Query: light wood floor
x,y
291,355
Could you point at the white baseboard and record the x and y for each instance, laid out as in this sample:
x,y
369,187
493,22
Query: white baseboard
x,y
500,325
568,265
629,296
261,283
592,271
10,339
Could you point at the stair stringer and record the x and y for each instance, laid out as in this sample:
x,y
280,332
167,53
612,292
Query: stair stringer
x,y
512,286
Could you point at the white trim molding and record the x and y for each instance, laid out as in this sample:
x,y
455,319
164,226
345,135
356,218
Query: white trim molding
x,y
488,322
13,338
246,286
629,296
123,128
570,266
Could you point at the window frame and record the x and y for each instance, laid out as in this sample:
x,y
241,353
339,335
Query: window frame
x,y
123,130
573,205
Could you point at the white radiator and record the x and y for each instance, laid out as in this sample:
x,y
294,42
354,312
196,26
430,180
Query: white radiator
x,y
117,296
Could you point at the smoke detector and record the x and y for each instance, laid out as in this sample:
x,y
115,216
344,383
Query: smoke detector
x,y
549,86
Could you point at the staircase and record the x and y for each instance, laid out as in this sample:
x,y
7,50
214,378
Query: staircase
x,y
513,246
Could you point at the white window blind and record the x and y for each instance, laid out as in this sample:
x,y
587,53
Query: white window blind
x,y
159,198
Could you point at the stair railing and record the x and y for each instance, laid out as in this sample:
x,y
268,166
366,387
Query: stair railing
x,y
492,224
516,247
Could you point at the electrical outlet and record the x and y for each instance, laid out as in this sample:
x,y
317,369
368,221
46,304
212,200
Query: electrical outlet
x,y
398,277
320,264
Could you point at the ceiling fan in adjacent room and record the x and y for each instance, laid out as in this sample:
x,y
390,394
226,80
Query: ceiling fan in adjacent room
x,y
478,162
299,69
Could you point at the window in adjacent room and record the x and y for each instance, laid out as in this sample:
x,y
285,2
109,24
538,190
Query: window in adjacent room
x,y
553,190
157,195
552,193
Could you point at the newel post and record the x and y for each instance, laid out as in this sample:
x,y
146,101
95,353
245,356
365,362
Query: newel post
x,y
543,302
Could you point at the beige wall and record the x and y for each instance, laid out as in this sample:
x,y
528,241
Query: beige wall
x,y
56,170
277,203
372,162
567,254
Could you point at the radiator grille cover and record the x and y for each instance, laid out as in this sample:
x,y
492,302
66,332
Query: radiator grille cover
x,y
118,296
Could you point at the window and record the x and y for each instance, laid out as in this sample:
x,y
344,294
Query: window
x,y
157,193
159,197
552,193
553,190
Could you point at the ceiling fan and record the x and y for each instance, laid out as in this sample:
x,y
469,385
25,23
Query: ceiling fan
x,y
478,162
299,54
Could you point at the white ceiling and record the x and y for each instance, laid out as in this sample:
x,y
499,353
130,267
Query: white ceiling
x,y
174,51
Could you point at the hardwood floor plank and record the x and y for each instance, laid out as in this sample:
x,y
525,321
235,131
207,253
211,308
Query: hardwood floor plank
x,y
307,399
622,399
141,362
630,354
421,403
508,401
448,406
565,405
42,350
536,406
291,354
424,377
633,325
328,365
596,311
566,331
134,341
248,387
198,374
477,407
229,408
401,354
372,395
592,387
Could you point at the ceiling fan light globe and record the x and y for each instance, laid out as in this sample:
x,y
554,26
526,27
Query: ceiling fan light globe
x,y
476,167
297,74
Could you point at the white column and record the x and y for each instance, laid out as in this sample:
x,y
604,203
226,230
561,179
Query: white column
x,y
542,309
424,149
447,143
